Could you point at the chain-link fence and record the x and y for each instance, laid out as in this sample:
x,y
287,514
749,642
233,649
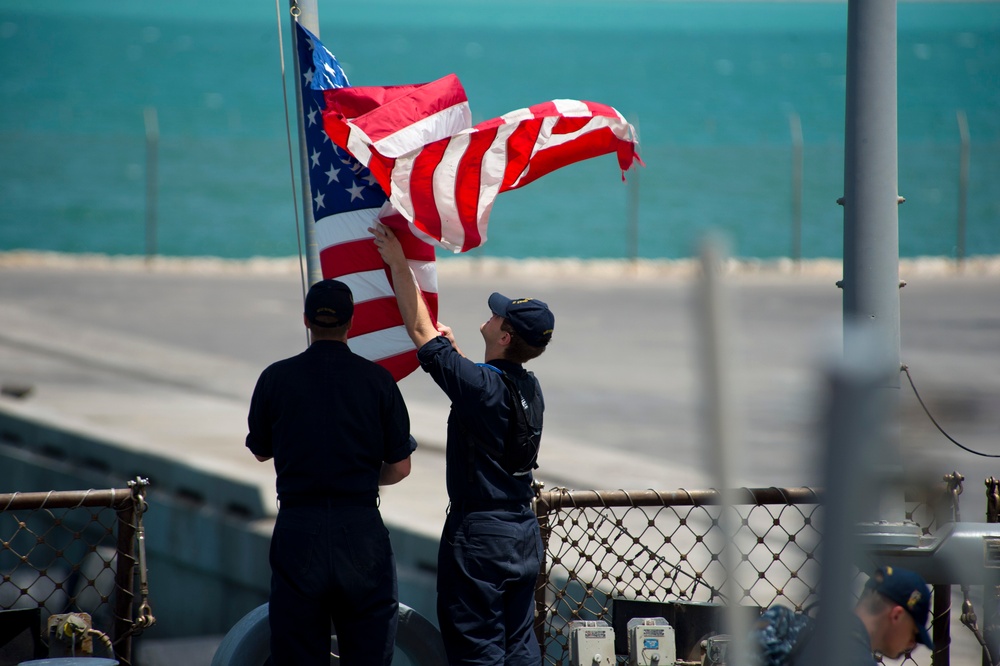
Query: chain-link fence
x,y
614,555
74,552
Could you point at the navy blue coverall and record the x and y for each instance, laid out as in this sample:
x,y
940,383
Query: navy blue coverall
x,y
491,549
330,418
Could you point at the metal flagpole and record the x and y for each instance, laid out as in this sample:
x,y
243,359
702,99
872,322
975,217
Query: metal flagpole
x,y
308,16
871,216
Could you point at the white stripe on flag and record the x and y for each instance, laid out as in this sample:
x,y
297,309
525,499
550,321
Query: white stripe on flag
x,y
381,344
426,274
571,108
358,144
415,136
444,191
367,285
345,227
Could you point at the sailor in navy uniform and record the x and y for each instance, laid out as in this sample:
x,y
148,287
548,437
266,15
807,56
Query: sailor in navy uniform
x,y
491,550
337,428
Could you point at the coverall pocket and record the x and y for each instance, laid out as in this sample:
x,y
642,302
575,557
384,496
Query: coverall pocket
x,y
490,548
370,550
296,548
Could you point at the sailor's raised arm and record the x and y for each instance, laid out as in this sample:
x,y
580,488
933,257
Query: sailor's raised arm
x,y
416,316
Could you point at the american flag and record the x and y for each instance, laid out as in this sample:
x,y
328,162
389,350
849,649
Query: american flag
x,y
346,201
445,184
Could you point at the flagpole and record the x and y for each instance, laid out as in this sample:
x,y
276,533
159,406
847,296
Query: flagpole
x,y
308,16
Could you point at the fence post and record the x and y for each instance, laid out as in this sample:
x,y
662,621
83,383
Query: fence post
x,y
152,162
795,125
124,579
541,585
963,185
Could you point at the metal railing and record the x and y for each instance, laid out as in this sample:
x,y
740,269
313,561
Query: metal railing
x,y
605,549
75,552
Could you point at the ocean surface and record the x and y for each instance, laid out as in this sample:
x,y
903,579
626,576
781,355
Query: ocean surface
x,y
712,87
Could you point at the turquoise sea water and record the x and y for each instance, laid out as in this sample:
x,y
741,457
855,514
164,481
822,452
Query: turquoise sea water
x,y
711,86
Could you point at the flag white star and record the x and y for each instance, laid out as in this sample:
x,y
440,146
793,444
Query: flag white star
x,y
319,200
308,76
355,191
332,175
315,157
370,179
312,116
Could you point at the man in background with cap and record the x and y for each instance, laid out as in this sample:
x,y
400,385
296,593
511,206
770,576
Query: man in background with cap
x,y
337,428
890,619
490,552
893,609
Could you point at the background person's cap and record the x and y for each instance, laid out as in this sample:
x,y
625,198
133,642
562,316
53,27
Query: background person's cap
x,y
908,589
530,317
329,303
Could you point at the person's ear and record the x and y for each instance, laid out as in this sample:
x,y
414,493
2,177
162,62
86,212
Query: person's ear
x,y
897,612
305,320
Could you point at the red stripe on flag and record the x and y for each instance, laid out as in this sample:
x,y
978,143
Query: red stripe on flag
x,y
375,315
400,365
544,109
520,147
351,257
381,169
335,128
413,247
598,109
381,111
469,185
570,125
421,188
354,101
547,160
431,298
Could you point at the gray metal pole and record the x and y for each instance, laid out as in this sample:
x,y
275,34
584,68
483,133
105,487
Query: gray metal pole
x,y
855,420
963,185
633,209
871,200
152,178
795,126
713,332
308,16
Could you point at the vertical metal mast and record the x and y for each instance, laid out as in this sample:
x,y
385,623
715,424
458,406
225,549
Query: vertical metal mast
x,y
308,16
871,216
871,201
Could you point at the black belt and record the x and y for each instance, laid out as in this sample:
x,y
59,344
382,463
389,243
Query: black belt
x,y
330,502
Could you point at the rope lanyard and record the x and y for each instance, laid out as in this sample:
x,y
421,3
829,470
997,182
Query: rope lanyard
x,y
294,11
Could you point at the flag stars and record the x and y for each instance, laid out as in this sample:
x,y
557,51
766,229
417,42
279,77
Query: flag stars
x,y
318,200
308,76
332,175
315,158
312,116
370,179
355,191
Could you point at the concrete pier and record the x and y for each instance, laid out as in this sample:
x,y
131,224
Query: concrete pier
x,y
147,368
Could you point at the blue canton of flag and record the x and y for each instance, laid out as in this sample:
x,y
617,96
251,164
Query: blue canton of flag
x,y
338,182
346,202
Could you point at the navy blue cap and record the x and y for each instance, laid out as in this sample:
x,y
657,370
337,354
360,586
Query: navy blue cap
x,y
530,317
908,589
329,303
